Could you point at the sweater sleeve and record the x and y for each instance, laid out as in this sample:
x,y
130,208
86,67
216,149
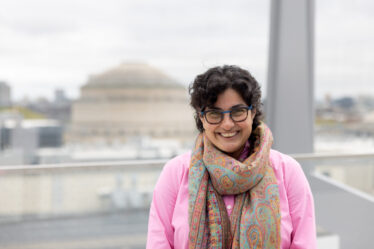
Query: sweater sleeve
x,y
301,206
160,229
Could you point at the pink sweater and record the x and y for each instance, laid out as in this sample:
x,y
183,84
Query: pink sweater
x,y
168,219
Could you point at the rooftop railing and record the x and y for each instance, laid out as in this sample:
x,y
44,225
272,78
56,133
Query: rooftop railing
x,y
105,204
343,190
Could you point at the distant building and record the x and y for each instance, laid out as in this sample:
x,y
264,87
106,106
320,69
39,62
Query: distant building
x,y
23,138
60,98
5,99
58,109
131,100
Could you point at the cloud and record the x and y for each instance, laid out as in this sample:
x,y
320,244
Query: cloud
x,y
49,42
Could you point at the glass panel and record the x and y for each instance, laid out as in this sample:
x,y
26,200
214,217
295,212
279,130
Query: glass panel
x,y
76,206
86,81
344,77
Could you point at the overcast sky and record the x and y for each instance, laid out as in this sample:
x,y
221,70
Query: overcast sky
x,y
49,44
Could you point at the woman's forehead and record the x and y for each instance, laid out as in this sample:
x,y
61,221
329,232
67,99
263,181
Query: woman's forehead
x,y
228,99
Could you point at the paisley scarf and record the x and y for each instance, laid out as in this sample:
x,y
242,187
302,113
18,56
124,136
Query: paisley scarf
x,y
255,219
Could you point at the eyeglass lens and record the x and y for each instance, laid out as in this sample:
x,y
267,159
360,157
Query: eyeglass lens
x,y
237,115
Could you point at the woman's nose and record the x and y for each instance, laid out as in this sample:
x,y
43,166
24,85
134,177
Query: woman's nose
x,y
227,122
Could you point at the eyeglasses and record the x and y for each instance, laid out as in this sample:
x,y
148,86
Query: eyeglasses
x,y
237,114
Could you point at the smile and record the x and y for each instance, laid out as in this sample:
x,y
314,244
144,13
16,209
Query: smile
x,y
228,134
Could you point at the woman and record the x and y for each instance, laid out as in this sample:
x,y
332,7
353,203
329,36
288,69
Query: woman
x,y
232,190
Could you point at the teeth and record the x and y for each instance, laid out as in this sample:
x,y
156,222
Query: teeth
x,y
231,134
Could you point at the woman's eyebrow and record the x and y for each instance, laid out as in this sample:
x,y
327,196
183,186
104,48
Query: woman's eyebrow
x,y
232,107
214,108
239,105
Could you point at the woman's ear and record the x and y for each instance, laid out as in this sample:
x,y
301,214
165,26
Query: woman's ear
x,y
253,113
201,117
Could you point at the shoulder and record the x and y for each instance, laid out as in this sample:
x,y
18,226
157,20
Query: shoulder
x,y
286,167
283,162
178,163
280,160
177,167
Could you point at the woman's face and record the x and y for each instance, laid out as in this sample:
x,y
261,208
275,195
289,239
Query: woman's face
x,y
229,136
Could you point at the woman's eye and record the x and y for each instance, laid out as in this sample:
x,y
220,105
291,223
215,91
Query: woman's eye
x,y
238,112
214,114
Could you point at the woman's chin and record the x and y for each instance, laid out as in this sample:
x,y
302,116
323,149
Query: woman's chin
x,y
230,150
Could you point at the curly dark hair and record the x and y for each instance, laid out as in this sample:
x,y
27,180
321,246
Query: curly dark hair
x,y
207,86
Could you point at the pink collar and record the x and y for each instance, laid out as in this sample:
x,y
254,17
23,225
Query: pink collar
x,y
245,152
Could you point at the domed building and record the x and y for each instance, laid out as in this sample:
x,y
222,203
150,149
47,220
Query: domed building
x,y
131,100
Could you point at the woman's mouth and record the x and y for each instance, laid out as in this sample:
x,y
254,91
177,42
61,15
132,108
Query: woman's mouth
x,y
228,134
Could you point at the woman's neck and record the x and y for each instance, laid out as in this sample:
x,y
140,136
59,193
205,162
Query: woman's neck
x,y
242,153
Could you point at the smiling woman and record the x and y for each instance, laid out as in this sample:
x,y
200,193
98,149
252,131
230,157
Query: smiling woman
x,y
232,190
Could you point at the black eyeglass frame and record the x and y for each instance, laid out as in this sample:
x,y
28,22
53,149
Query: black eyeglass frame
x,y
203,113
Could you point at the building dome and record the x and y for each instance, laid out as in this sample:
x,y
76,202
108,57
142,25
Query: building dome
x,y
132,75
131,100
